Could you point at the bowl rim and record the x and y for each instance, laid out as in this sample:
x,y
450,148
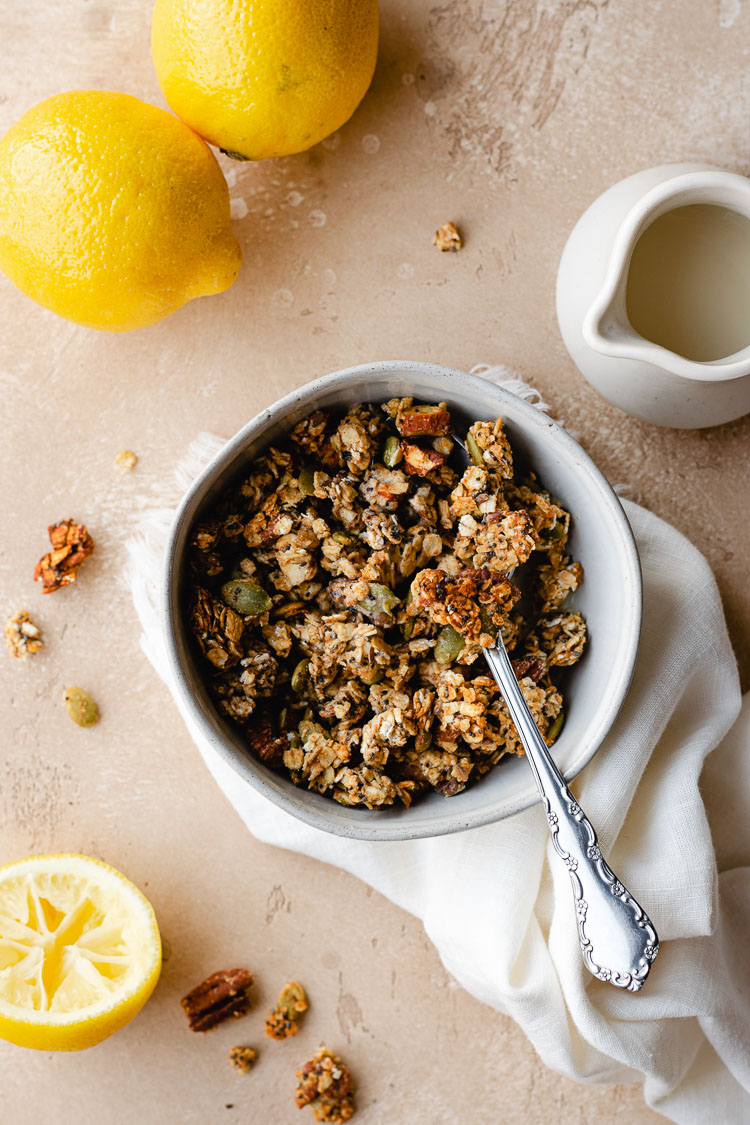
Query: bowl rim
x,y
254,772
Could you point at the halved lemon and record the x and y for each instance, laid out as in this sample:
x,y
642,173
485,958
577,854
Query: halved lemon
x,y
80,951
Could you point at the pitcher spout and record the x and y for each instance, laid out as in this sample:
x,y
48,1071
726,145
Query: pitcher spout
x,y
606,328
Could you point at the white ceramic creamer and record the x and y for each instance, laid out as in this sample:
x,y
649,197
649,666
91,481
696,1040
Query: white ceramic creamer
x,y
667,251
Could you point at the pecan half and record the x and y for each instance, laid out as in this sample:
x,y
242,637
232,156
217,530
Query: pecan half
x,y
71,544
220,997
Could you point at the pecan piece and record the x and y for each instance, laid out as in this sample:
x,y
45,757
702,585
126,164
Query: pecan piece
x,y
220,997
419,462
535,667
324,1082
264,742
71,544
429,421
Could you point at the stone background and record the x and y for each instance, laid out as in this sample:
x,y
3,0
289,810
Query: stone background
x,y
508,118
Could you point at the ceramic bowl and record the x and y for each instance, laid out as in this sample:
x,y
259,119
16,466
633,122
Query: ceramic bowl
x,y
610,597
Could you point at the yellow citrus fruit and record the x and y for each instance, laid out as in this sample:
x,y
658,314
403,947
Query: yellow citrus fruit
x,y
264,77
112,212
80,952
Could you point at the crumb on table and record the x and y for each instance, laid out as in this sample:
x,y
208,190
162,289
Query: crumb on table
x,y
126,459
242,1059
22,636
447,237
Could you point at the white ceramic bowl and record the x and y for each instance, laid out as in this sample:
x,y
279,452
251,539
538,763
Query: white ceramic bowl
x,y
610,597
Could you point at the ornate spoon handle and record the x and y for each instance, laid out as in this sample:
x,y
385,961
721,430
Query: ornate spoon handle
x,y
618,940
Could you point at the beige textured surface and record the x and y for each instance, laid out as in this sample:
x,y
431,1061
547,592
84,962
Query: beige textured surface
x,y
509,123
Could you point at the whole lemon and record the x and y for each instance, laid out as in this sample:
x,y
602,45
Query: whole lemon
x,y
264,77
112,212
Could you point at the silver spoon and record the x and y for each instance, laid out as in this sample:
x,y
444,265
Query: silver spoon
x,y
618,939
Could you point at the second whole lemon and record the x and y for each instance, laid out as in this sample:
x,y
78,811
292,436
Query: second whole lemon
x,y
264,78
112,212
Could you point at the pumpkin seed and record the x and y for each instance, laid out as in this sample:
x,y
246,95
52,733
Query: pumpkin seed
x,y
245,597
473,450
81,707
423,741
392,452
307,727
554,728
300,676
306,481
488,625
380,600
292,1000
448,645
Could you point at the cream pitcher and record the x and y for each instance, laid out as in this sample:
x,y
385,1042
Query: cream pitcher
x,y
653,295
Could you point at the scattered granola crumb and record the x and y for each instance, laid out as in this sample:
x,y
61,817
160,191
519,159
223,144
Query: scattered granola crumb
x,y
282,1020
447,237
81,707
220,997
71,544
324,1082
126,459
242,1058
22,635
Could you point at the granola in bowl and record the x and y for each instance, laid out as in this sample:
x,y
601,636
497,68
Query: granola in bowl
x,y
342,590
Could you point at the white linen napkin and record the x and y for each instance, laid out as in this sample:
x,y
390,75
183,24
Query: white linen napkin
x,y
497,902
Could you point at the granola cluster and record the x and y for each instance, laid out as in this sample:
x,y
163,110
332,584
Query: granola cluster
x,y
342,592
447,237
324,1082
242,1059
71,544
22,636
283,1020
